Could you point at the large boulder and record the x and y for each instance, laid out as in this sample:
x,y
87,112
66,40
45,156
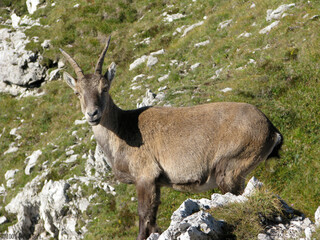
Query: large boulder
x,y
18,67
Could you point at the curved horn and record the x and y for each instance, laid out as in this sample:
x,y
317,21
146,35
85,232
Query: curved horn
x,y
98,68
73,63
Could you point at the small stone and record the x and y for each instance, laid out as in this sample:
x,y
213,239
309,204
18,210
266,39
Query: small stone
x,y
78,122
54,75
224,24
2,190
70,152
160,96
15,20
3,220
252,186
134,87
61,64
152,61
10,183
201,44
308,233
138,77
72,158
83,204
10,174
262,236
159,52
252,61
194,66
164,77
188,29
31,161
46,44
153,236
170,18
245,34
315,17
162,88
144,41
317,217
269,27
138,62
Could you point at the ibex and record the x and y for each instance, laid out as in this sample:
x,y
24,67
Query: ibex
x,y
192,149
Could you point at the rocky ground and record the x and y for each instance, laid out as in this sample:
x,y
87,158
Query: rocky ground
x,y
45,211
192,221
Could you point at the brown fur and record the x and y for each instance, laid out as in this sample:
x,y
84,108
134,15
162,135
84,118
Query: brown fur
x,y
189,149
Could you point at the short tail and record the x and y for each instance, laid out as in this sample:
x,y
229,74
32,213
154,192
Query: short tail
x,y
277,147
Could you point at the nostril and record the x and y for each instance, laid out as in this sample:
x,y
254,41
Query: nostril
x,y
93,114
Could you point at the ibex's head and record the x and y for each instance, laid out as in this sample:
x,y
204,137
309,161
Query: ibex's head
x,y
92,89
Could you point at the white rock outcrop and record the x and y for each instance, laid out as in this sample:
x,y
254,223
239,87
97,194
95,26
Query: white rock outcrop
x,y
32,5
52,199
279,12
18,67
43,208
26,206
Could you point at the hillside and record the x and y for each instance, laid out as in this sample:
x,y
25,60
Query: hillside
x,y
172,53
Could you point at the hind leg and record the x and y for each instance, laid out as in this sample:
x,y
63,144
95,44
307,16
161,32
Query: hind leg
x,y
232,184
231,176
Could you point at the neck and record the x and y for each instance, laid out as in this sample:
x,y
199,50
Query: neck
x,y
110,118
118,124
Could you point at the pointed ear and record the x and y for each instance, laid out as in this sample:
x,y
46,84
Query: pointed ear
x,y
111,72
70,80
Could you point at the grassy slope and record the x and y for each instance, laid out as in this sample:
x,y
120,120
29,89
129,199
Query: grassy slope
x,y
284,84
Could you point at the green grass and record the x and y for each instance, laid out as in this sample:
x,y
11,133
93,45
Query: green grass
x,y
246,220
283,83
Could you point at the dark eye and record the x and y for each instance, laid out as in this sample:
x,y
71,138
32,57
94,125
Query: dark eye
x,y
77,94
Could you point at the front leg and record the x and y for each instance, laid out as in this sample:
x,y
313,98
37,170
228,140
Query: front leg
x,y
148,201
